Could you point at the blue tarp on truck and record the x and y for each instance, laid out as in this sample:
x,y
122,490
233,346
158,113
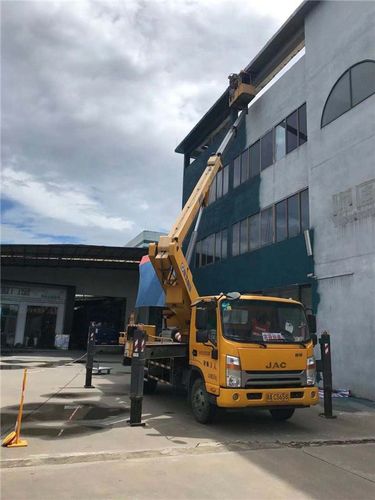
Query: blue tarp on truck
x,y
150,292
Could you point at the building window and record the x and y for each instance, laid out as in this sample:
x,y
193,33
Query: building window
x,y
275,144
217,247
212,192
244,166
302,125
237,171
219,186
254,232
280,140
225,179
254,156
285,219
204,252
210,246
198,251
281,220
304,210
244,247
266,150
293,216
355,85
224,244
291,132
266,226
211,249
236,239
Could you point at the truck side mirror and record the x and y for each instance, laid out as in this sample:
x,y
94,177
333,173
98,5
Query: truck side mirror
x,y
314,338
202,336
311,321
201,319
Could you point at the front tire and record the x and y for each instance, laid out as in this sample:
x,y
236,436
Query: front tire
x,y
282,414
203,410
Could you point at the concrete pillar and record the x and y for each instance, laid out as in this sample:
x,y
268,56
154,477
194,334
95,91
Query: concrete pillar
x,y
59,328
21,323
69,310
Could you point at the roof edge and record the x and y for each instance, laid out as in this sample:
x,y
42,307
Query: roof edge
x,y
291,31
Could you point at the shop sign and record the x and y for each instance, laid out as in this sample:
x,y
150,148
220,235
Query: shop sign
x,y
23,292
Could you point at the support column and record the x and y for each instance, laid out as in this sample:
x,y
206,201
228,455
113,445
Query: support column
x,y
21,323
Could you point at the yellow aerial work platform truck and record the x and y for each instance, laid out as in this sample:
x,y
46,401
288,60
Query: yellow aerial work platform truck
x,y
228,350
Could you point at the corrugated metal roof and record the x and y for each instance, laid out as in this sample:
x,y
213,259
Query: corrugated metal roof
x,y
72,256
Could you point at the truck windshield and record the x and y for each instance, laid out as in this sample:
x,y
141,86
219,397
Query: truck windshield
x,y
263,321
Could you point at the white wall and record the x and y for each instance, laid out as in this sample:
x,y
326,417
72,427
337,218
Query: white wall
x,y
289,174
341,157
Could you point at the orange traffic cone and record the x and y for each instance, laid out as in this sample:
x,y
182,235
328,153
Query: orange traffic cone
x,y
13,440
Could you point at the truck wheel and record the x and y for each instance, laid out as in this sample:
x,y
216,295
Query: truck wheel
x,y
149,386
282,414
203,410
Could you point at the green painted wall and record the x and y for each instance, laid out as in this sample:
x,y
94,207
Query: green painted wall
x,y
278,265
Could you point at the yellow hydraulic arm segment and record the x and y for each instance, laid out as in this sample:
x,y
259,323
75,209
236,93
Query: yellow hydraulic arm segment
x,y
167,257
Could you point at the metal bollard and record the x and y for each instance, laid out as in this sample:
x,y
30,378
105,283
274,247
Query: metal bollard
x,y
325,353
137,378
90,355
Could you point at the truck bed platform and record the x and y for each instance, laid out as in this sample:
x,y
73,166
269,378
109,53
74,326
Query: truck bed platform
x,y
160,350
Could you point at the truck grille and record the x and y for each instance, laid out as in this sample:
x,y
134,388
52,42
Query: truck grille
x,y
270,379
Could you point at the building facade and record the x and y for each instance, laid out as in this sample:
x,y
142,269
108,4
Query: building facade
x,y
300,170
55,290
144,238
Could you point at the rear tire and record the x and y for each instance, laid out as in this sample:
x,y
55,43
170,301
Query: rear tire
x,y
203,410
282,414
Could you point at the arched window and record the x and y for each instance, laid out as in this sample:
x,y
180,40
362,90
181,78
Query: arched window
x,y
355,85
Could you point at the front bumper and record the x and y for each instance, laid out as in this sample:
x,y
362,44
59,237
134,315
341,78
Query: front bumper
x,y
244,398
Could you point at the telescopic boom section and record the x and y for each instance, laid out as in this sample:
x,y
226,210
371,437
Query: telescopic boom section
x,y
167,257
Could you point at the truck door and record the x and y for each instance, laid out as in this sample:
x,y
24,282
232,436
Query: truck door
x,y
204,345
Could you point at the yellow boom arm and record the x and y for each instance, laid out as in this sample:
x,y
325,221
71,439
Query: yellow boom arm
x,y
167,257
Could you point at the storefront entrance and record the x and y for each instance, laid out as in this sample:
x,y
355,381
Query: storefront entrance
x,y
9,314
40,326
108,311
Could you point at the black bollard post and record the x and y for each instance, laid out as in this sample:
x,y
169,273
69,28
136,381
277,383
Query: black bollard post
x,y
137,378
325,353
90,355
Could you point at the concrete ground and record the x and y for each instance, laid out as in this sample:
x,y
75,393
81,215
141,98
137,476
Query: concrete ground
x,y
80,446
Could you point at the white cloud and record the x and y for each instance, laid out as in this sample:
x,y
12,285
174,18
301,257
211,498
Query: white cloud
x,y
96,96
58,201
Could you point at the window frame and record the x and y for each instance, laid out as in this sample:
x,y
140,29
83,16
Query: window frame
x,y
236,225
253,145
272,132
348,70
274,141
298,206
203,259
225,180
237,158
272,241
286,132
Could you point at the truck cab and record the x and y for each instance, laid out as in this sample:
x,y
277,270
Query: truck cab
x,y
250,351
